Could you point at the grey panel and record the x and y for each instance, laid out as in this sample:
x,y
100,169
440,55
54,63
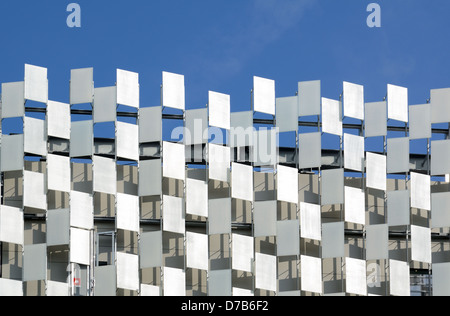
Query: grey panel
x,y
36,84
105,104
440,153
265,218
105,281
241,129
265,150
288,238
287,114
150,177
398,208
309,97
377,242
441,279
81,139
150,124
420,121
310,150
35,136
58,227
12,152
13,100
35,262
440,105
376,119
196,125
219,283
397,155
332,186
333,241
150,250
81,85
440,216
219,216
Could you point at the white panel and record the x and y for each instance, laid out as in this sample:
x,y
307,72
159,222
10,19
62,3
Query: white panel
x,y
242,182
13,102
264,95
128,88
34,190
331,117
397,103
127,216
127,141
105,104
219,110
242,292
421,244
81,85
9,288
197,197
311,274
127,271
356,272
11,225
376,171
81,210
11,152
219,162
353,152
266,272
399,278
173,214
58,120
309,95
80,246
174,161
58,173
310,221
174,282
57,289
149,290
355,206
420,191
440,216
440,105
197,251
353,100
35,137
441,279
105,179
36,84
242,253
287,184
173,94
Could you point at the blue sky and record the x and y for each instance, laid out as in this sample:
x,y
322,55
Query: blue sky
x,y
220,45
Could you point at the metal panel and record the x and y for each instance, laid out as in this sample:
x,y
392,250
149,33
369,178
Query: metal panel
x,y
197,197
127,141
127,271
105,104
58,120
376,119
264,95
13,101
242,182
57,289
332,186
399,278
58,227
36,84
9,288
331,117
398,208
127,216
34,262
242,253
310,150
11,225
150,124
420,191
174,161
35,136
197,251
150,177
58,173
354,152
174,282
80,246
265,218
265,147
287,114
287,184
81,210
309,97
353,100
241,129
440,216
288,238
356,276
441,279
311,274
440,105
219,162
81,85
12,152
310,221
219,216
149,290
420,121
34,190
398,155
150,250
355,206
440,152
128,88
219,283
105,179
266,272
421,244
173,214
81,139
397,100
242,292
377,242
219,109
173,94
196,127
376,171
333,242
105,281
